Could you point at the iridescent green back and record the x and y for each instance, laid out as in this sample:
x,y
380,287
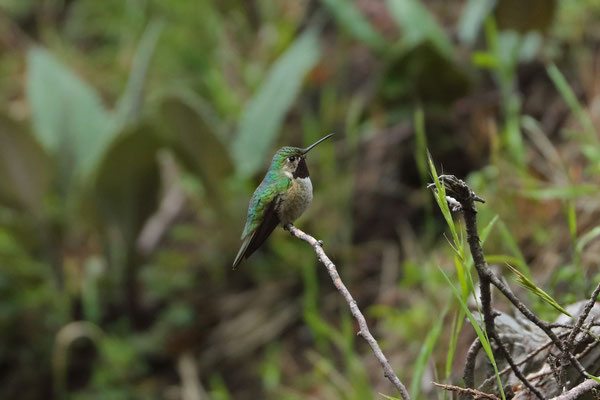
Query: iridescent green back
x,y
274,183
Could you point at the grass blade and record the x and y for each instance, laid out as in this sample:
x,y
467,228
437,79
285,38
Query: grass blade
x,y
424,355
533,288
569,97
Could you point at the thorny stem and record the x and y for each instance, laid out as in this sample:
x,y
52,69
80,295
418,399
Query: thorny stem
x,y
363,331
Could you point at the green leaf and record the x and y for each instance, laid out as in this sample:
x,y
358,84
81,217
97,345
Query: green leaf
x,y
597,379
388,397
351,20
587,238
440,197
196,143
128,182
533,288
25,169
418,25
128,107
69,118
570,98
264,114
471,20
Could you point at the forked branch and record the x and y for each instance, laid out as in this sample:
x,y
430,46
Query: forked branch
x,y
461,198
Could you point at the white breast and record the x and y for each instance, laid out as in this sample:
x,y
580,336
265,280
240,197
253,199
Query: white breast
x,y
296,200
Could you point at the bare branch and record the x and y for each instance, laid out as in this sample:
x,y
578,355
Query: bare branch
x,y
586,311
577,391
467,198
317,245
469,374
476,394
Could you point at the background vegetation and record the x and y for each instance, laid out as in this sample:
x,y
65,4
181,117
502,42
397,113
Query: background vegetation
x,y
133,132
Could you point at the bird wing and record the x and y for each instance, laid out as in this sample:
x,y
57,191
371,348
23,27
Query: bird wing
x,y
262,217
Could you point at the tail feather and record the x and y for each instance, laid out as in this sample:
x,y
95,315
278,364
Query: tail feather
x,y
241,253
260,234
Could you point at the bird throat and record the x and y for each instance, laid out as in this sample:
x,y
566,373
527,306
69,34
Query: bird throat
x,y
301,170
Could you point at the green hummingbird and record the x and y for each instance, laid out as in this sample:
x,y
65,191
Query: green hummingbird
x,y
283,195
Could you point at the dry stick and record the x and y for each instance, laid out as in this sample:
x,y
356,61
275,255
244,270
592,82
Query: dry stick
x,y
537,321
579,356
529,356
363,331
578,390
467,198
469,373
467,391
469,214
570,343
586,311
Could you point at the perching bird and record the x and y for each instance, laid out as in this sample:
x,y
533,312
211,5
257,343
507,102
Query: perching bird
x,y
283,195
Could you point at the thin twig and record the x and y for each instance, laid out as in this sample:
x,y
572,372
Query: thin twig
x,y
363,331
586,311
529,356
515,368
579,356
476,394
570,342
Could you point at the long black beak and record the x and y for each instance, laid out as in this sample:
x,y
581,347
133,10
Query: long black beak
x,y
306,150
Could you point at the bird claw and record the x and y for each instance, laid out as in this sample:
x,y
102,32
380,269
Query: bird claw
x,y
320,243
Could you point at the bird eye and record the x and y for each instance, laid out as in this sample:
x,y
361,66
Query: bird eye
x,y
291,158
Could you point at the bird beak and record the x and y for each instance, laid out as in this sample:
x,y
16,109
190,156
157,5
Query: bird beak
x,y
306,150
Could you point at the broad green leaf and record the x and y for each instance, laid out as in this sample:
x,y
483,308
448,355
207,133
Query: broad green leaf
x,y
351,20
128,181
69,118
197,144
471,20
128,108
264,114
25,169
419,25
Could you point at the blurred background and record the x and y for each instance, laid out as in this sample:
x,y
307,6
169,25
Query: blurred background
x,y
133,133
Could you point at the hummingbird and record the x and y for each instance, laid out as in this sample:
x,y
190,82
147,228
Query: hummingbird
x,y
283,195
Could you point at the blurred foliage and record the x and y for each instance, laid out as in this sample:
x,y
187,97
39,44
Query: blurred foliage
x,y
132,134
